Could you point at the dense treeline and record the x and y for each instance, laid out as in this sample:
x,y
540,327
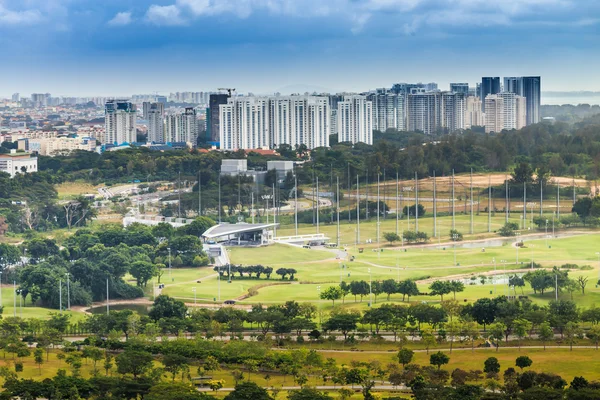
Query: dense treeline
x,y
90,258
556,149
183,358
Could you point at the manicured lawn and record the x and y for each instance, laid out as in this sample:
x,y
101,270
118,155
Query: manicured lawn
x,y
276,254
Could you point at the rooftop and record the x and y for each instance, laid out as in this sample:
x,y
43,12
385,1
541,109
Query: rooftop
x,y
231,229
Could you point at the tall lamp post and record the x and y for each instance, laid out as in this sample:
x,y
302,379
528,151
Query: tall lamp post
x,y
169,249
494,279
517,246
370,291
194,290
505,277
455,237
68,292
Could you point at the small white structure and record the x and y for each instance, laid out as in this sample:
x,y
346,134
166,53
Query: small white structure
x,y
18,163
241,234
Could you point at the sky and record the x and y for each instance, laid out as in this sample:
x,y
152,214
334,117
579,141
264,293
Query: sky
x,y
122,47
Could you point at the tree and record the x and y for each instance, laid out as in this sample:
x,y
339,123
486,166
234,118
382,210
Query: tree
x,y
389,287
523,362
562,312
408,288
582,282
594,334
471,331
175,390
343,321
167,307
438,359
520,328
572,332
545,333
497,331
38,355
391,237
456,286
484,311
9,255
491,366
523,173
174,363
134,362
308,394
452,330
439,288
332,293
248,391
405,356
143,271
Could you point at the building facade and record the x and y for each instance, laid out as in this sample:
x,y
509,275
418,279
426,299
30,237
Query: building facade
x,y
182,127
18,163
269,122
155,113
473,114
494,113
389,110
120,122
460,88
489,85
355,120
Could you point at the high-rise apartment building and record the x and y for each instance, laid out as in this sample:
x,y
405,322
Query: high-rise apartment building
x,y
355,120
155,114
521,112
297,120
120,122
453,111
433,112
182,127
269,122
460,88
40,99
389,110
530,88
473,114
494,113
213,115
489,85
16,97
513,84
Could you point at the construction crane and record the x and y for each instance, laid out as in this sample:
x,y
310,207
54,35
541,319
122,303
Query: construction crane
x,y
229,90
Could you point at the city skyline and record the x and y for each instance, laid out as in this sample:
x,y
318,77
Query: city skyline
x,y
117,48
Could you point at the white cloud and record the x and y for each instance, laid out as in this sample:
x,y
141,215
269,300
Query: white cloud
x,y
121,19
165,15
412,15
25,17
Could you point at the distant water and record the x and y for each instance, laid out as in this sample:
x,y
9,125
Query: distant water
x,y
575,98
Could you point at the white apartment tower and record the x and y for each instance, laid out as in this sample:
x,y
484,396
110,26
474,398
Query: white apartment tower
x,y
473,114
355,120
155,114
182,127
494,113
423,112
269,122
120,122
453,111
389,110
297,120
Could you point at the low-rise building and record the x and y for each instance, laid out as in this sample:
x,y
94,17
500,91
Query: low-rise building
x,y
18,163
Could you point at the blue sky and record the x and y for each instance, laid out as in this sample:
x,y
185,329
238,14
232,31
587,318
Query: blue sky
x,y
120,47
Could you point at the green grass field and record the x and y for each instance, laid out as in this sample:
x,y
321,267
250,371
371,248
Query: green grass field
x,y
321,268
